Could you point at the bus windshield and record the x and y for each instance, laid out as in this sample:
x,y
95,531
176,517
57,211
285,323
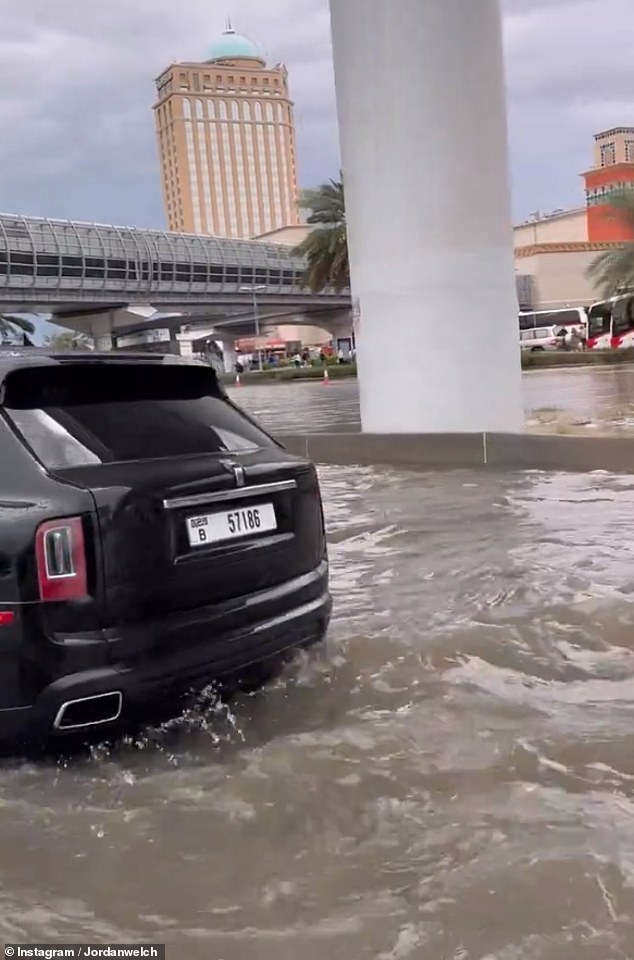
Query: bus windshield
x,y
599,319
622,316
611,323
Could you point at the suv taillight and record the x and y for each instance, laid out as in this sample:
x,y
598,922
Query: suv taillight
x,y
61,559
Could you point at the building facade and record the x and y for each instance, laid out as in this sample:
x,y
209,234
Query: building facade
x,y
556,250
613,171
226,138
560,226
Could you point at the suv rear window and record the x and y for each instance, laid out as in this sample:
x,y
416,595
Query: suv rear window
x,y
119,414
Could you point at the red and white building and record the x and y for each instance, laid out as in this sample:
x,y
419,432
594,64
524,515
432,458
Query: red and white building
x,y
556,249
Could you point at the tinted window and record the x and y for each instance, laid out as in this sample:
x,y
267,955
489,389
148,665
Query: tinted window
x,y
129,414
562,318
623,315
75,436
548,317
599,320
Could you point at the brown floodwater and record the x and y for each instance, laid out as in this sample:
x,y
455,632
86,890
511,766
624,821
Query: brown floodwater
x,y
600,396
450,778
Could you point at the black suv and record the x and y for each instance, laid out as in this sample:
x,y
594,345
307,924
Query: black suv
x,y
153,539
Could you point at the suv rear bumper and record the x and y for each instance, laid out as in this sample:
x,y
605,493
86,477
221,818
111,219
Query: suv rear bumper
x,y
165,670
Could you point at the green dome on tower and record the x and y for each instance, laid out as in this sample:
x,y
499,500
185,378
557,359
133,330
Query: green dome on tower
x,y
233,46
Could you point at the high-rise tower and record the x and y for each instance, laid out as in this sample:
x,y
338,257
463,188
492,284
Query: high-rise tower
x,y
226,138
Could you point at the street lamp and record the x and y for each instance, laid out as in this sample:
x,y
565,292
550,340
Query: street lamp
x,y
254,289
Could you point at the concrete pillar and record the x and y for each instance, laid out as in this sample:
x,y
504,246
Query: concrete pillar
x,y
229,356
99,326
103,342
420,94
340,326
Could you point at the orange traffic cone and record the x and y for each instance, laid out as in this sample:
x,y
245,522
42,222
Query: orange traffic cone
x,y
326,380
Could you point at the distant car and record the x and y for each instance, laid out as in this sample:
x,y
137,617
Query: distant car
x,y
153,539
541,338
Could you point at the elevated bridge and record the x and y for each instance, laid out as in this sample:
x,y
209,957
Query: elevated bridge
x,y
88,275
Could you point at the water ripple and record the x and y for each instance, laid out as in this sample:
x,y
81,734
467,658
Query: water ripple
x,y
452,776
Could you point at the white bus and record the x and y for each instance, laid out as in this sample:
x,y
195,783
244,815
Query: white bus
x,y
572,318
611,323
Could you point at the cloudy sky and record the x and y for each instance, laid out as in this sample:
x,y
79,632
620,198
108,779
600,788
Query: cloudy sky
x,y
77,135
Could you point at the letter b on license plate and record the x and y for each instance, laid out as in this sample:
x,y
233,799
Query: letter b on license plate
x,y
231,524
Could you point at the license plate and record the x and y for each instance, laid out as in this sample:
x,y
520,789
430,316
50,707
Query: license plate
x,y
231,524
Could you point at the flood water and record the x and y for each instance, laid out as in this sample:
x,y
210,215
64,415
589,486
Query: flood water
x,y
604,396
451,778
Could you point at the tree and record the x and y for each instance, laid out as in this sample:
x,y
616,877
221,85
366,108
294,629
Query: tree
x,y
325,249
12,326
68,340
613,270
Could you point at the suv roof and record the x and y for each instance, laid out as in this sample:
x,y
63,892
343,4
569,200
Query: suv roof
x,y
16,358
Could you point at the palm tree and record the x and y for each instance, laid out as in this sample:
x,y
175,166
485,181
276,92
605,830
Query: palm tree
x,y
69,340
12,325
325,249
613,270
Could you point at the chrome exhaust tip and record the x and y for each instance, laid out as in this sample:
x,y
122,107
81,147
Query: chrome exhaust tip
x,y
89,711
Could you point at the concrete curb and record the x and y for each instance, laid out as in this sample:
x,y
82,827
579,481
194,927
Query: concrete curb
x,y
492,450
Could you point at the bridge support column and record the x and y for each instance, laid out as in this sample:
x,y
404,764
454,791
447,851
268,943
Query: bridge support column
x,y
99,326
420,92
103,342
229,355
340,327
